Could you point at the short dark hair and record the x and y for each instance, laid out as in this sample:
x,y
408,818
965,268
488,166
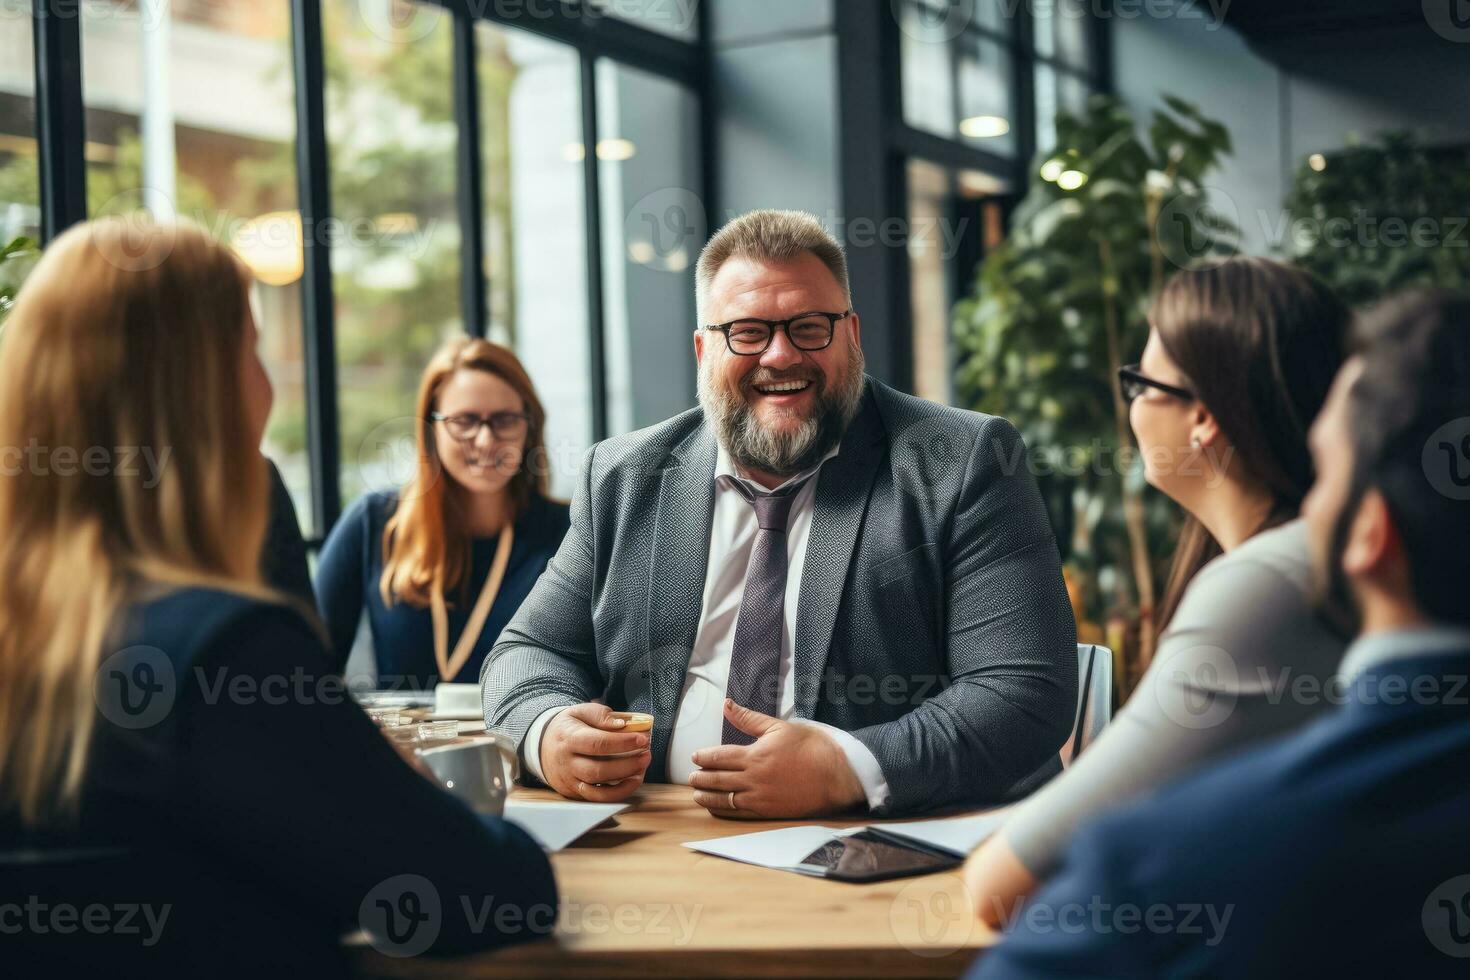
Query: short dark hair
x,y
1406,411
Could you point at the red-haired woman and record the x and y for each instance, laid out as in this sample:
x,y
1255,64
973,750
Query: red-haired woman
x,y
442,565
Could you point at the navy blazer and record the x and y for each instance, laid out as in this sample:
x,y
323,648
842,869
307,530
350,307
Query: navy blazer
x,y
283,556
232,779
933,624
1340,851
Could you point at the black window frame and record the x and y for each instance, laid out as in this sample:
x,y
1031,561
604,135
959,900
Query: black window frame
x,y
902,142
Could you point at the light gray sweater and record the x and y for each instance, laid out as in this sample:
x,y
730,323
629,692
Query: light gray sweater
x,y
1244,658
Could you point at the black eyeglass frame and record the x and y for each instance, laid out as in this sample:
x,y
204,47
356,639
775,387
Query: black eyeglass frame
x,y
1131,380
775,325
481,421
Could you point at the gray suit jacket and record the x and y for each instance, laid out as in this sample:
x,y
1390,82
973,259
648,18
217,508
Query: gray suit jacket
x,y
933,624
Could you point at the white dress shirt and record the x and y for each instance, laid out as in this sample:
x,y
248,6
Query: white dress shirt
x,y
700,721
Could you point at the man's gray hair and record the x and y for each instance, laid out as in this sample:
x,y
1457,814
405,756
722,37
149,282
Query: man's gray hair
x,y
768,236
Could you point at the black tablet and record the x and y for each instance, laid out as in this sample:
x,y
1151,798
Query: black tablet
x,y
865,857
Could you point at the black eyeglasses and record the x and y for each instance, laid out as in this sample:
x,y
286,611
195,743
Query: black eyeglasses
x,y
466,427
809,331
1134,382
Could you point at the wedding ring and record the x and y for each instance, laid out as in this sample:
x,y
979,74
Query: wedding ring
x,y
732,800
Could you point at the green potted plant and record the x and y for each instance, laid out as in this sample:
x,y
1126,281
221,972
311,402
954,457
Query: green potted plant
x,y
1373,219
16,258
1062,304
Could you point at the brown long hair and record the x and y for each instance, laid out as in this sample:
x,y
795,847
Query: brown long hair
x,y
425,542
1259,342
129,334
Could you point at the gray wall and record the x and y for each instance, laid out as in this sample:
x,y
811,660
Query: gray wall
x,y
775,79
1325,93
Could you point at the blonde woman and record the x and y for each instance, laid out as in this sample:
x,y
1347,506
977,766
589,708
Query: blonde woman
x,y
155,697
441,566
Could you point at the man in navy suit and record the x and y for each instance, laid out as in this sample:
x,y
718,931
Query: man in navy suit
x,y
1342,849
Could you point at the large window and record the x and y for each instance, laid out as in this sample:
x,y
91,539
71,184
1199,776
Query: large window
x,y
988,78
395,229
1066,70
191,108
955,217
653,225
465,168
676,18
535,220
20,187
189,112
957,76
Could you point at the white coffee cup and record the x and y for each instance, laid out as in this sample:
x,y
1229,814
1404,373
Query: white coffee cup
x,y
480,771
458,701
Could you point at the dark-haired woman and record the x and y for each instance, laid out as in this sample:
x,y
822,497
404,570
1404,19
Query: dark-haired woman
x,y
1238,362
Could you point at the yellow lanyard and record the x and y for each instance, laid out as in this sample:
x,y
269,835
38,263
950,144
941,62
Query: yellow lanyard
x,y
450,666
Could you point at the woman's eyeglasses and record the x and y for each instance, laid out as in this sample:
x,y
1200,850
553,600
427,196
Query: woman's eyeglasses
x,y
466,427
1134,383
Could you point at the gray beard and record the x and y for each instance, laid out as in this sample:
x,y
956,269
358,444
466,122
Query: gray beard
x,y
752,446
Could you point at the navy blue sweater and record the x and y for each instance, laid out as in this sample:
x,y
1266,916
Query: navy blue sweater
x,y
1336,851
351,566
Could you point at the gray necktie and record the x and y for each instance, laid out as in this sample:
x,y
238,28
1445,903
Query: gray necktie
x,y
755,660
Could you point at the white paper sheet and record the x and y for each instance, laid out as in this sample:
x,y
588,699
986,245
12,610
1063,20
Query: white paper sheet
x,y
957,835
784,849
780,849
555,825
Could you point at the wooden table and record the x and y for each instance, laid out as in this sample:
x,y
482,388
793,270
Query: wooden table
x,y
635,903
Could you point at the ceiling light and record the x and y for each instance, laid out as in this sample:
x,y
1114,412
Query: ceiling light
x,y
984,127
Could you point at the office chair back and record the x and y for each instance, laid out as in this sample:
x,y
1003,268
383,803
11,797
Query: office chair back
x,y
1094,699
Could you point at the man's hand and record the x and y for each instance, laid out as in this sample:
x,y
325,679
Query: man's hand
x,y
583,747
790,770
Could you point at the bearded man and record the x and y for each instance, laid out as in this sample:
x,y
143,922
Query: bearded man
x,y
828,594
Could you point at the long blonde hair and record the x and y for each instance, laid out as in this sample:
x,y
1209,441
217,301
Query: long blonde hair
x,y
425,542
127,337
